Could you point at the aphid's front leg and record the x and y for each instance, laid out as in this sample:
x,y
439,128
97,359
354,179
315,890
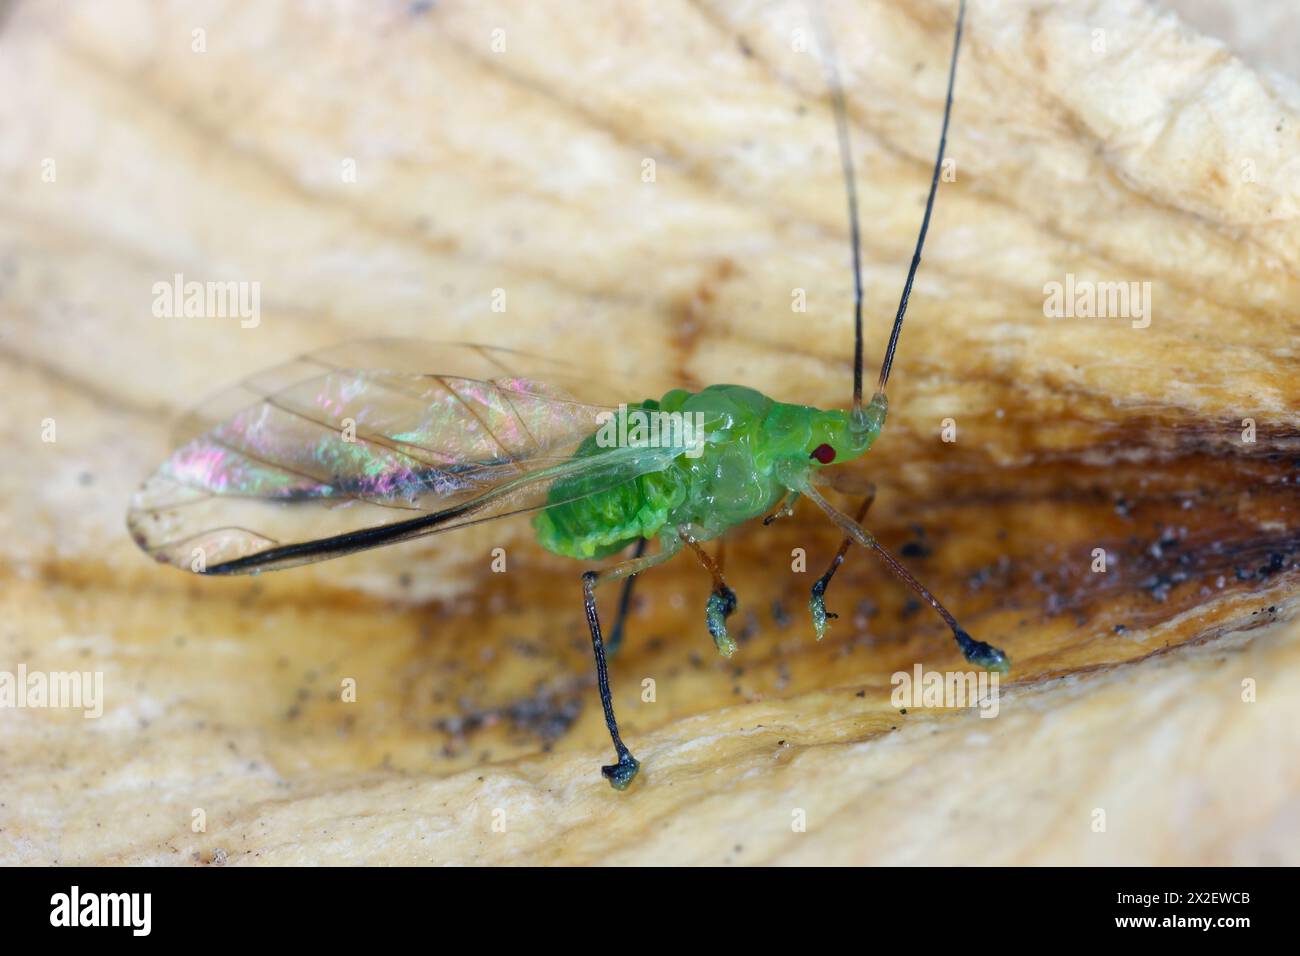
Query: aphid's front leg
x,y
851,483
786,509
817,602
620,774
722,602
978,653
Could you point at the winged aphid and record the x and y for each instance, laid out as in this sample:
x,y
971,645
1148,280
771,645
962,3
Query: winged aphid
x,y
262,482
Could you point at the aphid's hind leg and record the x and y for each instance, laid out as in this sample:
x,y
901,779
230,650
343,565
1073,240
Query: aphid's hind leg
x,y
817,602
615,639
620,774
977,652
722,602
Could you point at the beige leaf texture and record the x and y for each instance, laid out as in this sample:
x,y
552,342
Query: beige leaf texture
x,y
1100,359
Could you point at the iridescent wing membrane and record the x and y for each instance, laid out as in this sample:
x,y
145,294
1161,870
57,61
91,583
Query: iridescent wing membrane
x,y
361,446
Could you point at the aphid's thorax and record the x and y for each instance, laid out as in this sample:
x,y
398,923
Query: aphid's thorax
x,y
724,480
753,446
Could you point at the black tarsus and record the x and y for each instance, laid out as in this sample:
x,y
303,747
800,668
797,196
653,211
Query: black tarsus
x,y
615,639
888,362
621,773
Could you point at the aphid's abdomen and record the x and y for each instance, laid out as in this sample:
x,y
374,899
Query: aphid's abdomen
x,y
605,522
711,487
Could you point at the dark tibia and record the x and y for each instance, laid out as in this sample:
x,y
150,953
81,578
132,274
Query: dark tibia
x,y
620,774
722,602
615,640
817,603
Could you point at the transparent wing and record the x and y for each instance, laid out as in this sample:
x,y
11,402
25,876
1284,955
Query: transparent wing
x,y
419,358
323,456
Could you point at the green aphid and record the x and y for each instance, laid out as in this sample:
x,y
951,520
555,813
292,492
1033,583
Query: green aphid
x,y
359,447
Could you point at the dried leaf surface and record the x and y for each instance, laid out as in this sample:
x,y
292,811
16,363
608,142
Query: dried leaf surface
x,y
1105,141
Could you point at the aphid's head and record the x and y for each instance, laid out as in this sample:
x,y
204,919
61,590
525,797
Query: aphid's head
x,y
823,437
839,436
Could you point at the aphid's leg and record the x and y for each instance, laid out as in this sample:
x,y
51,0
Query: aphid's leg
x,y
977,652
786,509
620,774
615,639
817,603
722,602
846,482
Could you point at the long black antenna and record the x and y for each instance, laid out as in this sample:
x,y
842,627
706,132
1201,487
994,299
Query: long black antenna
x,y
851,192
888,363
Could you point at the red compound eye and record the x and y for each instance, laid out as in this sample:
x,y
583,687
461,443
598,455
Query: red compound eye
x,y
824,453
